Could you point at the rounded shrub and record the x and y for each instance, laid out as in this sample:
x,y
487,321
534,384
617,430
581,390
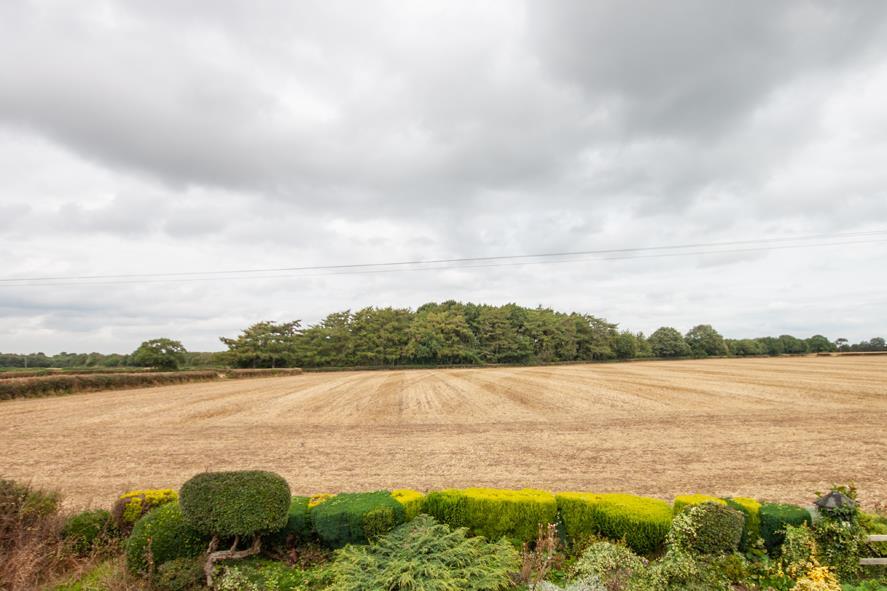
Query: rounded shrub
x,y
298,526
774,519
355,518
236,503
613,564
709,528
681,502
160,536
130,506
84,529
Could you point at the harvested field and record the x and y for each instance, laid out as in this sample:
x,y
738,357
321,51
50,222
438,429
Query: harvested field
x,y
773,428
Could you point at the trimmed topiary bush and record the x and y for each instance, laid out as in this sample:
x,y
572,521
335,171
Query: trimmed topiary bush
x,y
412,500
751,530
423,554
642,522
683,501
170,537
775,517
709,528
85,529
130,506
356,518
494,513
227,504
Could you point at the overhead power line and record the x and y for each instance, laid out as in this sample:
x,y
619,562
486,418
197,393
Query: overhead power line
x,y
681,250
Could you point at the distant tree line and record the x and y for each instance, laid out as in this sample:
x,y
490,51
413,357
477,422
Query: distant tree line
x,y
448,333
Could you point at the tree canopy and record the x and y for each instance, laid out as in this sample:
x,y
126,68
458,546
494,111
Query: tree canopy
x,y
160,353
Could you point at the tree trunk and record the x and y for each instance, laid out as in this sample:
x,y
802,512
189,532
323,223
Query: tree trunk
x,y
213,556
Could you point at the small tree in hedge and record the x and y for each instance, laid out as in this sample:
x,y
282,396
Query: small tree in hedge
x,y
232,505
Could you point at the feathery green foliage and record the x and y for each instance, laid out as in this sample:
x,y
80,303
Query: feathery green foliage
x,y
423,555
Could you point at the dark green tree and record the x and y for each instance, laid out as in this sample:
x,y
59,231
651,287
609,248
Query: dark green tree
x,y
705,341
264,344
160,353
819,344
668,342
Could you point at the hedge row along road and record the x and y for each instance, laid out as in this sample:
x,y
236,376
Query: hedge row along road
x,y
776,428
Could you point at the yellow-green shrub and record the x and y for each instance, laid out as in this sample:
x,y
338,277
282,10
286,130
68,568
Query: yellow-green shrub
x,y
682,501
130,506
642,522
412,500
319,498
493,513
752,510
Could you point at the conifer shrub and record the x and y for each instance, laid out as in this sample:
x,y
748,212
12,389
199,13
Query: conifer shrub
x,y
87,528
751,530
130,506
641,522
683,501
160,536
412,500
774,519
709,528
236,503
494,513
423,554
356,518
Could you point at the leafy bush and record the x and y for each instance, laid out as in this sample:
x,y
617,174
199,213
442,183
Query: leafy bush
x,y
423,554
774,519
839,543
751,530
355,518
708,528
798,551
493,513
412,500
265,575
236,503
130,506
682,501
819,578
298,527
642,522
160,536
612,564
84,529
674,571
589,583
180,574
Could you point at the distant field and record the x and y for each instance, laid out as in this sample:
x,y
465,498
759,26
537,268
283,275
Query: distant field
x,y
776,428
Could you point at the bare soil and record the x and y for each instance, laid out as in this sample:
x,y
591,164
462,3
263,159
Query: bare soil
x,y
776,429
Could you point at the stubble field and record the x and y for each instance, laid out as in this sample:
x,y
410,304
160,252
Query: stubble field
x,y
772,428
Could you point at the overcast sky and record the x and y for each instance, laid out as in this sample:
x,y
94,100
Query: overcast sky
x,y
161,136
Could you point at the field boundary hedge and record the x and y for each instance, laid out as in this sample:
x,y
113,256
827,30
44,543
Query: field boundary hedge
x,y
63,384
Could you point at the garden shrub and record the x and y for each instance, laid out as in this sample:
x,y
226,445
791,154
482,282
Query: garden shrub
x,y
612,564
839,543
642,522
298,524
588,583
425,555
683,501
236,503
493,513
180,574
774,519
709,528
130,506
412,500
262,574
355,518
798,550
85,529
819,578
751,529
170,537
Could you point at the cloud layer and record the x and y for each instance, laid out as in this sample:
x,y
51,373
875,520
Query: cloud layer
x,y
153,137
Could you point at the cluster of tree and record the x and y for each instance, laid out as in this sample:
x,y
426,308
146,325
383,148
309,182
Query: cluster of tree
x,y
448,333
456,333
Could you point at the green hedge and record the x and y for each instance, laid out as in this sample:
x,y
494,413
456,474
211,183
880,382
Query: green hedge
x,y
236,503
682,501
494,513
170,537
774,518
356,518
298,526
642,522
751,530
86,528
